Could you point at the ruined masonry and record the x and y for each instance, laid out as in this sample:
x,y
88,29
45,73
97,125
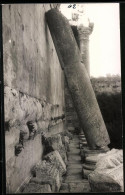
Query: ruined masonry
x,y
43,155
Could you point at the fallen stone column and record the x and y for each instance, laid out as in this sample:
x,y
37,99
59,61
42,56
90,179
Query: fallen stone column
x,y
78,81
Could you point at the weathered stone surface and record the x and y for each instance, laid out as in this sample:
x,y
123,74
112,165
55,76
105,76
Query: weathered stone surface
x,y
91,159
47,173
68,134
55,158
107,180
13,112
83,36
46,180
18,167
13,137
86,152
108,175
55,142
21,108
36,188
78,81
44,167
110,159
33,81
63,154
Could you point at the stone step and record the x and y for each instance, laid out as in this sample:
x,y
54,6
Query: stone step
x,y
74,161
73,171
74,145
73,148
75,151
74,176
74,157
74,165
73,181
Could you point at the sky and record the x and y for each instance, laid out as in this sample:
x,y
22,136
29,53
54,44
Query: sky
x,y
104,45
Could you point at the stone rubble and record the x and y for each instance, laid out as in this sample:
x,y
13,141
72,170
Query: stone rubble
x,y
58,161
97,173
52,167
108,175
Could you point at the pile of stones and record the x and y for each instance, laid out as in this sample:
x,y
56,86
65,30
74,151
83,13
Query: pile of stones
x,y
104,170
108,174
47,175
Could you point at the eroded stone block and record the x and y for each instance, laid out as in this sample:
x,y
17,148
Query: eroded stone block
x,y
107,180
110,159
55,141
47,173
108,175
63,154
55,158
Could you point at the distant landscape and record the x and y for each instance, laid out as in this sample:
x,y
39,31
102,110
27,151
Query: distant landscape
x,y
108,93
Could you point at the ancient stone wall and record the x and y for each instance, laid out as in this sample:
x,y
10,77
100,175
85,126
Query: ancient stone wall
x,y
34,89
72,121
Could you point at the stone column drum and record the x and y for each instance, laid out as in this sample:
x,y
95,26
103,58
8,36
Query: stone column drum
x,y
78,81
83,36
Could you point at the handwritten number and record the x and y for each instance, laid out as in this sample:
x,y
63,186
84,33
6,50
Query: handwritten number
x,y
73,6
69,6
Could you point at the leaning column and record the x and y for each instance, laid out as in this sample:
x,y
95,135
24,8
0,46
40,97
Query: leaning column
x,y
78,81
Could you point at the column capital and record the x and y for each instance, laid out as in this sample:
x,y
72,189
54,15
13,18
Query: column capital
x,y
84,31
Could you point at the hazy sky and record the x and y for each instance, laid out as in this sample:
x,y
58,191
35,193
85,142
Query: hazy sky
x,y
105,39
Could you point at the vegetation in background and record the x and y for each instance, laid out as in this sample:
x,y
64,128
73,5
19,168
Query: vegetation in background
x,y
111,109
110,106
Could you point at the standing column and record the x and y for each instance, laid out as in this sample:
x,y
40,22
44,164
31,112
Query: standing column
x,y
83,35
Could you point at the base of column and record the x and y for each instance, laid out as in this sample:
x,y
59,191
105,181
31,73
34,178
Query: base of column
x,y
89,156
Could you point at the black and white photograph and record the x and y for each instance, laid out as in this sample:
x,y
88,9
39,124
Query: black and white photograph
x,y
63,120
